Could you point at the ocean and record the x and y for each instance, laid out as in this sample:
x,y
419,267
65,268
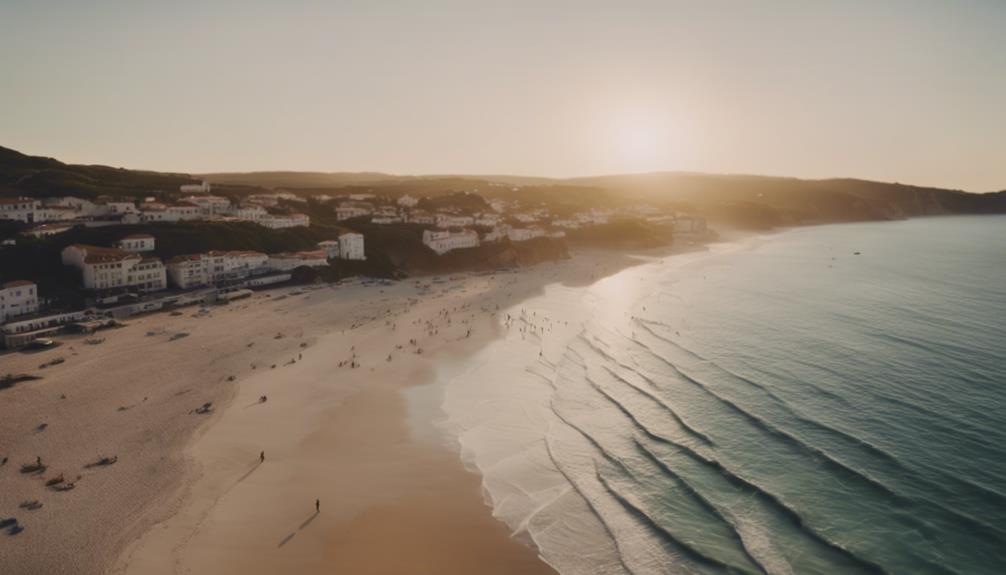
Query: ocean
x,y
827,399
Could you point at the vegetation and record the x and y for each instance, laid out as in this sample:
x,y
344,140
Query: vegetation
x,y
624,234
35,176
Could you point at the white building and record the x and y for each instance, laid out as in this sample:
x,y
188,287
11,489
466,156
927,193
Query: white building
x,y
568,224
55,214
685,224
493,235
120,207
421,217
18,332
386,220
351,246
452,221
156,212
210,205
443,241
267,200
290,260
524,234
80,206
20,209
17,298
279,221
202,188
487,220
330,247
137,243
112,268
347,210
211,268
407,201
249,212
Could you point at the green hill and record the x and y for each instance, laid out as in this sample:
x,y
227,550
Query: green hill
x,y
35,176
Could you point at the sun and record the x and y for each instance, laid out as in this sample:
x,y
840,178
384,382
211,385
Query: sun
x,y
640,141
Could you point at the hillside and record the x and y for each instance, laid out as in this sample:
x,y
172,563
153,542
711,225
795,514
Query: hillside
x,y
754,202
763,202
36,176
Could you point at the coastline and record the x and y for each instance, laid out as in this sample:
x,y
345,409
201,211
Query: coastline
x,y
390,500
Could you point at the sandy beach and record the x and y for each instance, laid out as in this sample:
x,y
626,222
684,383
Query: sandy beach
x,y
191,492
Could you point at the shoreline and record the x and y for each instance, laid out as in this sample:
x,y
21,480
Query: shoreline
x,y
193,463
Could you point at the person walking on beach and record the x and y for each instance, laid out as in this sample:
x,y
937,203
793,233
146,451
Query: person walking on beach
x,y
317,505
261,457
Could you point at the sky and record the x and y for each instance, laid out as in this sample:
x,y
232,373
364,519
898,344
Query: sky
x,y
897,90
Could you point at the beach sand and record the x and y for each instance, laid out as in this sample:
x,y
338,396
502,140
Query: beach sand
x,y
189,493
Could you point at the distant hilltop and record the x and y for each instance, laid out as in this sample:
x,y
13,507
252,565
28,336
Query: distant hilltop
x,y
744,201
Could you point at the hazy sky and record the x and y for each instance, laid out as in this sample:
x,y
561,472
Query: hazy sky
x,y
911,91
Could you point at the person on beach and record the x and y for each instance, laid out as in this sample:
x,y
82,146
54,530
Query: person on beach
x,y
261,457
317,505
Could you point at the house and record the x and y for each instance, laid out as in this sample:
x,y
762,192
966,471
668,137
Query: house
x,y
407,201
421,217
568,224
351,246
209,205
120,207
200,188
443,241
137,243
347,210
24,330
452,221
494,235
212,268
54,213
17,298
524,234
156,212
80,206
290,260
113,268
487,220
248,212
330,247
279,221
688,225
266,200
20,209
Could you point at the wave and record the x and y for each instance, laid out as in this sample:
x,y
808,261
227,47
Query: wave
x,y
634,507
745,484
638,511
923,527
987,531
723,516
590,504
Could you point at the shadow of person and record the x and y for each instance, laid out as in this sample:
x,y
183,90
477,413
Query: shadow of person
x,y
302,526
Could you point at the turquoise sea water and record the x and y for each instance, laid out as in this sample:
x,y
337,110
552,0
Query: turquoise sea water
x,y
789,407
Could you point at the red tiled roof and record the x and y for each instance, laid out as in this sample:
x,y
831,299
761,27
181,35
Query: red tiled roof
x,y
17,283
